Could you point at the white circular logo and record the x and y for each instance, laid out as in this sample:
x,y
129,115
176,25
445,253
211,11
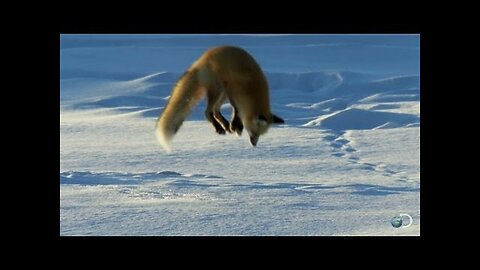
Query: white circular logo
x,y
397,221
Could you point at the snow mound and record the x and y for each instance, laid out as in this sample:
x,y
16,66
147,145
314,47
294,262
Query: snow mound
x,y
333,104
300,97
119,178
323,83
354,119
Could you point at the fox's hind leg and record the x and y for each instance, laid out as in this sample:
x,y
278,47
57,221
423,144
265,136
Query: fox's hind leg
x,y
236,124
212,113
216,125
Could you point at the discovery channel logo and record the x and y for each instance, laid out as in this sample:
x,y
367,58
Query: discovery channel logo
x,y
397,221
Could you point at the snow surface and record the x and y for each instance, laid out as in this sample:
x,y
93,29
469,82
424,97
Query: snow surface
x,y
345,163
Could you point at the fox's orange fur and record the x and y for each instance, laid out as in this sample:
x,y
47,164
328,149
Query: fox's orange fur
x,y
221,73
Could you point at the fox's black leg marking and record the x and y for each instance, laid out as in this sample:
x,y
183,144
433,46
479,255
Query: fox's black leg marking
x,y
219,128
222,121
212,113
236,124
216,125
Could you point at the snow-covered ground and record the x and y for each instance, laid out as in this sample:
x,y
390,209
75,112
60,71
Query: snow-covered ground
x,y
345,163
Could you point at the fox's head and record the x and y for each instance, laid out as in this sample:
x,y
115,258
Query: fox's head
x,y
259,125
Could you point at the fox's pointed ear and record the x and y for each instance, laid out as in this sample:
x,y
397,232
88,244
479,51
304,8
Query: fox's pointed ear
x,y
277,120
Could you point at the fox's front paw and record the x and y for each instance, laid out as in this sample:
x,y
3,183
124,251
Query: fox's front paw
x,y
236,129
236,126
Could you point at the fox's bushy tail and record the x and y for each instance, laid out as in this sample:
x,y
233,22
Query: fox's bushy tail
x,y
185,95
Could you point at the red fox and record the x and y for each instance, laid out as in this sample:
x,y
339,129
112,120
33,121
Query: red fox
x,y
221,73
